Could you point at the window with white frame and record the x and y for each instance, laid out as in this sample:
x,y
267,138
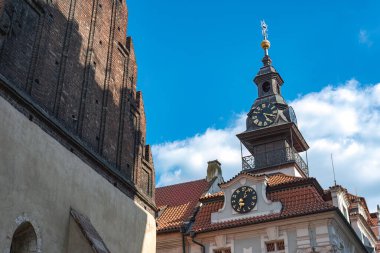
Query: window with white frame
x,y
275,246
224,250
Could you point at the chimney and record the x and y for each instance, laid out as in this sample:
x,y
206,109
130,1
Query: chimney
x,y
213,170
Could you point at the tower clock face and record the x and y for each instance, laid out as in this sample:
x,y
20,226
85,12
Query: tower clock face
x,y
244,199
264,114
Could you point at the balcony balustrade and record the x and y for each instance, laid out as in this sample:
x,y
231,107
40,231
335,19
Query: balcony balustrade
x,y
274,158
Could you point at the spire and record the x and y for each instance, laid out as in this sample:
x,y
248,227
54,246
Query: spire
x,y
265,44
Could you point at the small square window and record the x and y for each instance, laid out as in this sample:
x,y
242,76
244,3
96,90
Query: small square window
x,y
270,247
280,245
275,246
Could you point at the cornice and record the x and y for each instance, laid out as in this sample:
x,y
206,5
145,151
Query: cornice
x,y
123,184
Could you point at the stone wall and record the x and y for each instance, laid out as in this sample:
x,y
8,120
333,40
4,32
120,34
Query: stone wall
x,y
41,180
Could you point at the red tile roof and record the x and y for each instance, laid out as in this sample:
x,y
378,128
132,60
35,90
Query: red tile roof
x,y
295,201
279,179
275,179
214,196
374,219
357,199
178,203
299,196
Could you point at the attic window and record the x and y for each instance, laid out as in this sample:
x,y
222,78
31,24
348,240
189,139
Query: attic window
x,y
275,246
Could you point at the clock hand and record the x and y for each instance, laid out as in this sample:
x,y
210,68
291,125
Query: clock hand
x,y
268,114
266,117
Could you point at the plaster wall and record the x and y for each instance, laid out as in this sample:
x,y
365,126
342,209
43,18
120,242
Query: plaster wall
x,y
291,171
339,240
345,241
40,180
248,245
325,233
339,200
363,233
77,242
169,242
292,240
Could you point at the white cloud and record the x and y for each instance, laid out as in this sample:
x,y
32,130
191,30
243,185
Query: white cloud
x,y
342,120
364,38
186,160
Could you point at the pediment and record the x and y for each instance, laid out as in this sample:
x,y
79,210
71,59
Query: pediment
x,y
263,205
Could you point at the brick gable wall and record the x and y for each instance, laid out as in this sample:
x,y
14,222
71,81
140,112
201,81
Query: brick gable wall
x,y
73,60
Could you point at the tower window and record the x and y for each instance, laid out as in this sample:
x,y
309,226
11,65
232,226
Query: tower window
x,y
266,86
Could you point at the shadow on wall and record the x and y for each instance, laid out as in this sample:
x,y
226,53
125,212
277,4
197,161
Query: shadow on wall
x,y
82,76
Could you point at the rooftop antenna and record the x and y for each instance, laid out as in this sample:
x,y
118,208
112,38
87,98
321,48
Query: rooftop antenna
x,y
332,164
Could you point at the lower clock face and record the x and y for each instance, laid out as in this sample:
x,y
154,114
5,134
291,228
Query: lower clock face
x,y
264,114
244,199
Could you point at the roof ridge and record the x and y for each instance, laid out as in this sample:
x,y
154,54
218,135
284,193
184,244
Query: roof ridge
x,y
302,182
166,186
212,197
243,173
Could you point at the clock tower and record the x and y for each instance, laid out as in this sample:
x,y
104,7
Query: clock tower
x,y
272,136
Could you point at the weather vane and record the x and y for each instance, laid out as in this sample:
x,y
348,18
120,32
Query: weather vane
x,y
264,29
265,44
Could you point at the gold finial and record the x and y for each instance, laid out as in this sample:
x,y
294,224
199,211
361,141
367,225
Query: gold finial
x,y
265,44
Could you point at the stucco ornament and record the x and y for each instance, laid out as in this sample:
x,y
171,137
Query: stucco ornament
x,y
220,241
247,250
337,243
272,233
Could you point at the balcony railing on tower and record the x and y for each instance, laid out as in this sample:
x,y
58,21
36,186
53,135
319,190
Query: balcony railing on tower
x,y
274,158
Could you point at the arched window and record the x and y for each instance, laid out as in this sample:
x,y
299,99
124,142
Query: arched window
x,y
24,239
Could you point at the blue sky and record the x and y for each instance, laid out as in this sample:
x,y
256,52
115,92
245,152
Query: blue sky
x,y
196,61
